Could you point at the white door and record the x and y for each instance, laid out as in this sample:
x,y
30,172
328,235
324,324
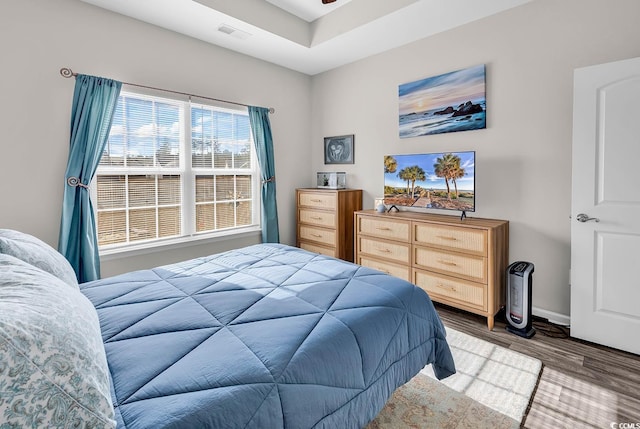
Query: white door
x,y
605,218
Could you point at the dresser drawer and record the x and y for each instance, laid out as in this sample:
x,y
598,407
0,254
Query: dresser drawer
x,y
323,236
329,251
448,288
391,229
394,252
458,264
386,267
317,200
450,237
317,217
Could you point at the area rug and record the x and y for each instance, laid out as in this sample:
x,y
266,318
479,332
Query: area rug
x,y
491,389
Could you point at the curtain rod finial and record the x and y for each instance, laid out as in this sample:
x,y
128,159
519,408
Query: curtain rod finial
x,y
272,110
66,72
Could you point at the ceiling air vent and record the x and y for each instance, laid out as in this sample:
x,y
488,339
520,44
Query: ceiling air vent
x,y
231,31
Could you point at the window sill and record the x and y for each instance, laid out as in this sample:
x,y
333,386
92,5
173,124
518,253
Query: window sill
x,y
175,243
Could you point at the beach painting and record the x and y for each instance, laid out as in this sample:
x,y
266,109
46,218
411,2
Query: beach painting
x,y
449,102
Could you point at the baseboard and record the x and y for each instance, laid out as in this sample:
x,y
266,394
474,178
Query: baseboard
x,y
557,318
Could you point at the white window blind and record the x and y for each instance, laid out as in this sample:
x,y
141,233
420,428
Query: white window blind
x,y
174,169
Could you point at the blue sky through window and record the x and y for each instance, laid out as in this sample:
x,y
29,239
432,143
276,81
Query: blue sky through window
x,y
141,127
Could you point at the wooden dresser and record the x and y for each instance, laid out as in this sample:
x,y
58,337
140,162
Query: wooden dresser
x,y
461,263
325,220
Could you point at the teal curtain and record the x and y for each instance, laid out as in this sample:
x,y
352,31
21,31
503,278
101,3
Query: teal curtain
x,y
261,130
94,103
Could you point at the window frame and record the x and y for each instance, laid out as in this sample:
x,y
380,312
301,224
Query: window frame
x,y
189,236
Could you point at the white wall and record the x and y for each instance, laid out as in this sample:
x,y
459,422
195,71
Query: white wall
x,y
37,38
523,157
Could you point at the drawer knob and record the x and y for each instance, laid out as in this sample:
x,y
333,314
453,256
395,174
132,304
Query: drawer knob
x,y
316,235
450,263
316,218
316,201
383,228
384,250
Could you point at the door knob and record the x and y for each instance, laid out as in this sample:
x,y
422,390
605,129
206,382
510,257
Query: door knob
x,y
585,218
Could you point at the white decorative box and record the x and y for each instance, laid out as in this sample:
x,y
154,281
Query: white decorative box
x,y
332,180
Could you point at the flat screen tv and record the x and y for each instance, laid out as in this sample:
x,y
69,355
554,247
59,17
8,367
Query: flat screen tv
x,y
444,180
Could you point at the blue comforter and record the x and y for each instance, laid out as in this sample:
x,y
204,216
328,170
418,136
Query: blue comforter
x,y
268,336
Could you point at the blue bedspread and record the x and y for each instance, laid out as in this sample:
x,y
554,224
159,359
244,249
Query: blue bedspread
x,y
268,336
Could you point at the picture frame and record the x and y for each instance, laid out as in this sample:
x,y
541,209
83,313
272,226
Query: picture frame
x,y
339,149
450,102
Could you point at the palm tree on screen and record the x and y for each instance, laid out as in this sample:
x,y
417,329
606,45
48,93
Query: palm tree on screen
x,y
390,164
448,167
457,173
413,174
404,175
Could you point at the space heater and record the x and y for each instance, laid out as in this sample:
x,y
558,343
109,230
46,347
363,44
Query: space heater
x,y
518,311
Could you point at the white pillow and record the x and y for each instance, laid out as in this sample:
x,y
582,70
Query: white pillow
x,y
53,369
36,252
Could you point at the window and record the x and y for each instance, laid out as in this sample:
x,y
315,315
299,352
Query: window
x,y
174,169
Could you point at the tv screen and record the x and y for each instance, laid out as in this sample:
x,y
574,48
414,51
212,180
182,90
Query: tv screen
x,y
443,180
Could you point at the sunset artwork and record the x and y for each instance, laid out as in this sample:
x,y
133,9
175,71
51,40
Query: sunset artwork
x,y
449,102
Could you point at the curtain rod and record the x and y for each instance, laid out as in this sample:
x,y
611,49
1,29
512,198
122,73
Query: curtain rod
x,y
68,73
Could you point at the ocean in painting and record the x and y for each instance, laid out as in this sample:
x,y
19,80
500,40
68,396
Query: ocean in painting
x,y
445,103
428,122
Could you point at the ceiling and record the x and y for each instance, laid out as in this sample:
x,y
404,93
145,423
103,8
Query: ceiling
x,y
306,35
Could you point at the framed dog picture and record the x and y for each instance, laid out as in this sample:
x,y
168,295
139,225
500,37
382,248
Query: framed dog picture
x,y
339,149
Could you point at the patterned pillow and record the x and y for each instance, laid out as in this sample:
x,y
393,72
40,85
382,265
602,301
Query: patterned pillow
x,y
53,369
36,252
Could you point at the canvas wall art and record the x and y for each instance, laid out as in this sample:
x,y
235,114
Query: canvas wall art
x,y
449,102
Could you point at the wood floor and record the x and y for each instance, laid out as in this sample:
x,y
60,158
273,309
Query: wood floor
x,y
583,385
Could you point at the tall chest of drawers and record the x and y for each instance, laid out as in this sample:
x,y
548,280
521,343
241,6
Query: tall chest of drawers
x,y
325,220
461,263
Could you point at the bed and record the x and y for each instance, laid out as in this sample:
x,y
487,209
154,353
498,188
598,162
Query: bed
x,y
267,336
